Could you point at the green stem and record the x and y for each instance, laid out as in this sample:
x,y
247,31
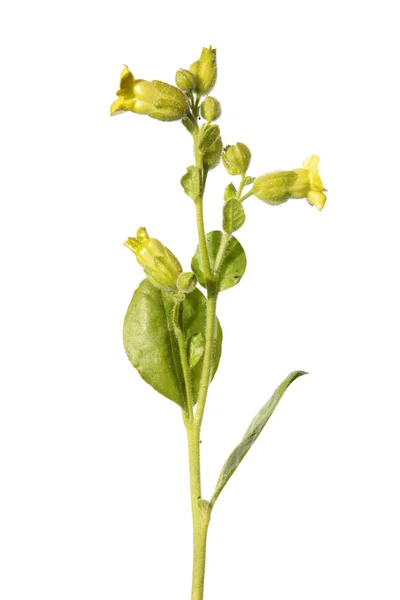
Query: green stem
x,y
199,211
184,358
205,261
241,186
200,508
200,513
208,352
250,193
221,253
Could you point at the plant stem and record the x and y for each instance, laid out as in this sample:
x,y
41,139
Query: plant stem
x,y
200,513
250,193
184,359
241,186
208,352
201,510
221,253
205,261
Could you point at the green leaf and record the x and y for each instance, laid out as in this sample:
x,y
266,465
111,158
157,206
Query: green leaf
x,y
208,135
196,348
252,433
191,182
150,341
248,180
230,192
233,216
233,265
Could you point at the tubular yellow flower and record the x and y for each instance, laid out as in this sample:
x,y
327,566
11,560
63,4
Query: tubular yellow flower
x,y
156,99
279,186
308,183
159,264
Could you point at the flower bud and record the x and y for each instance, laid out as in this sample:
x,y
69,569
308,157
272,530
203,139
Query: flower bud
x,y
160,265
212,155
156,99
210,109
186,282
205,70
278,187
185,80
236,159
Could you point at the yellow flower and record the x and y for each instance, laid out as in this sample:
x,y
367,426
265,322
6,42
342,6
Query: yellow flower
x,y
160,265
308,183
157,99
279,186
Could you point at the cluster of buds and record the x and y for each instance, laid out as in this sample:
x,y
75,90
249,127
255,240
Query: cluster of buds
x,y
162,267
156,99
279,186
201,75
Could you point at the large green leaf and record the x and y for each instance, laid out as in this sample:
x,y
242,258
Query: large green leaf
x,y
233,265
150,341
252,433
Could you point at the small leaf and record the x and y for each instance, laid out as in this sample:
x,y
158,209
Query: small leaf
x,y
233,265
196,348
191,182
233,216
208,135
151,345
252,433
230,192
248,180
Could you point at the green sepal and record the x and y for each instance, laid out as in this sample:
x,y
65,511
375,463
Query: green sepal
x,y
274,188
233,265
252,433
233,216
150,341
191,182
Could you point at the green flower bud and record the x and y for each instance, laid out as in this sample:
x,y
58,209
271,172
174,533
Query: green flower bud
x,y
205,70
230,192
156,99
210,109
185,80
212,155
186,282
236,159
160,265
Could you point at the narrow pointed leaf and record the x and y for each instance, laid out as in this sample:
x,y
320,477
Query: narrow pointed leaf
x,y
252,433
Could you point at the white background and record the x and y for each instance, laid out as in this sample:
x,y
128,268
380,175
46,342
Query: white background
x,y
94,483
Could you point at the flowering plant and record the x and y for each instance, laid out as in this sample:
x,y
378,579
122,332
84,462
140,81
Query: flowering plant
x,y
171,332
